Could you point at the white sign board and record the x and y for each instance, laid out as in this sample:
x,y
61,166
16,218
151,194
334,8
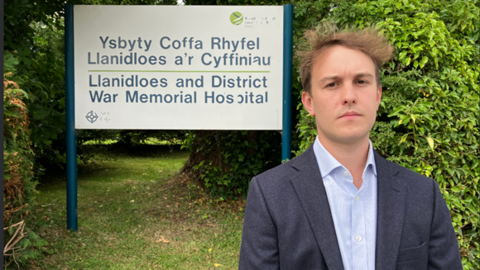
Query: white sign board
x,y
187,67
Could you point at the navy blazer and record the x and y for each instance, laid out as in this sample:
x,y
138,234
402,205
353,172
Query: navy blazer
x,y
288,224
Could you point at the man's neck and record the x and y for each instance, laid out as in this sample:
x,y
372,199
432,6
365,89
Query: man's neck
x,y
352,156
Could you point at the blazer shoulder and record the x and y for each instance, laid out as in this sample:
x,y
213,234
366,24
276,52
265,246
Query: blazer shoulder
x,y
407,176
276,174
283,172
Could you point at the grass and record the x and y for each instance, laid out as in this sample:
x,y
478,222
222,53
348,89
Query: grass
x,y
136,212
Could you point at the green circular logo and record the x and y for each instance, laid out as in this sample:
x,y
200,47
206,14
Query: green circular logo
x,y
236,18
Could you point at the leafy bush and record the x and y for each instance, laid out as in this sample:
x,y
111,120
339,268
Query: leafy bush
x,y
428,119
19,187
225,161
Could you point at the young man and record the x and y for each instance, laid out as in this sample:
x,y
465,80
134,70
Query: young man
x,y
340,205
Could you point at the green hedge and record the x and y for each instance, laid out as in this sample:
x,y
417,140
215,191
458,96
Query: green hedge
x,y
225,161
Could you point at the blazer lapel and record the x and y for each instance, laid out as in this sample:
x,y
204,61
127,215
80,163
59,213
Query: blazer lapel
x,y
308,185
390,213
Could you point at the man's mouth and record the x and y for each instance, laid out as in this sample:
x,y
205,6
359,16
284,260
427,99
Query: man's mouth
x,y
350,115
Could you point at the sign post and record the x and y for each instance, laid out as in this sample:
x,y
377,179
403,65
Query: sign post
x,y
287,81
70,120
164,67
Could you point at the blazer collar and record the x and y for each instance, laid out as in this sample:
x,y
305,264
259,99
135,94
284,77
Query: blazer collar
x,y
390,213
308,185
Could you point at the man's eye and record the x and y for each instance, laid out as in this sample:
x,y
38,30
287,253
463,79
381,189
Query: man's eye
x,y
361,82
331,84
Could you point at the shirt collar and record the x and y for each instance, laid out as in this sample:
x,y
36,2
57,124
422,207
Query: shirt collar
x,y
327,163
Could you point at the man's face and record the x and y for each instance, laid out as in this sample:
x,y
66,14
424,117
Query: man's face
x,y
344,96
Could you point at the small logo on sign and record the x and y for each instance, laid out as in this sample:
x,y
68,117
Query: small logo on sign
x,y
91,117
236,18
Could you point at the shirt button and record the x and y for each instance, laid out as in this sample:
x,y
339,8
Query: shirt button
x,y
357,198
358,238
345,173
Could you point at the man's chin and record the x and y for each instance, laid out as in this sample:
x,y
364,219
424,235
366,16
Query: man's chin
x,y
348,139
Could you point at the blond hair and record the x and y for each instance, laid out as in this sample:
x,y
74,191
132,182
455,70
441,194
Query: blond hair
x,y
316,41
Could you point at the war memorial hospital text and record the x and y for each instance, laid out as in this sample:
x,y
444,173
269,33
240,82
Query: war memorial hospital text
x,y
130,57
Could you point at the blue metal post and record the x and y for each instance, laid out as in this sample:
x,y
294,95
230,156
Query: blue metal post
x,y
70,119
287,81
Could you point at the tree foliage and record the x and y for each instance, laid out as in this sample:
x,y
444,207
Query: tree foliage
x,y
40,55
18,182
34,34
428,119
225,161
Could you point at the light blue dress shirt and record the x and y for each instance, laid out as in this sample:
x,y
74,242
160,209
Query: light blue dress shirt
x,y
354,212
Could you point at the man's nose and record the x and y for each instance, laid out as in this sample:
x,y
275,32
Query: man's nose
x,y
348,95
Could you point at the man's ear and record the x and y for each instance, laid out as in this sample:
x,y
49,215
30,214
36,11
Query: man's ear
x,y
307,101
379,96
